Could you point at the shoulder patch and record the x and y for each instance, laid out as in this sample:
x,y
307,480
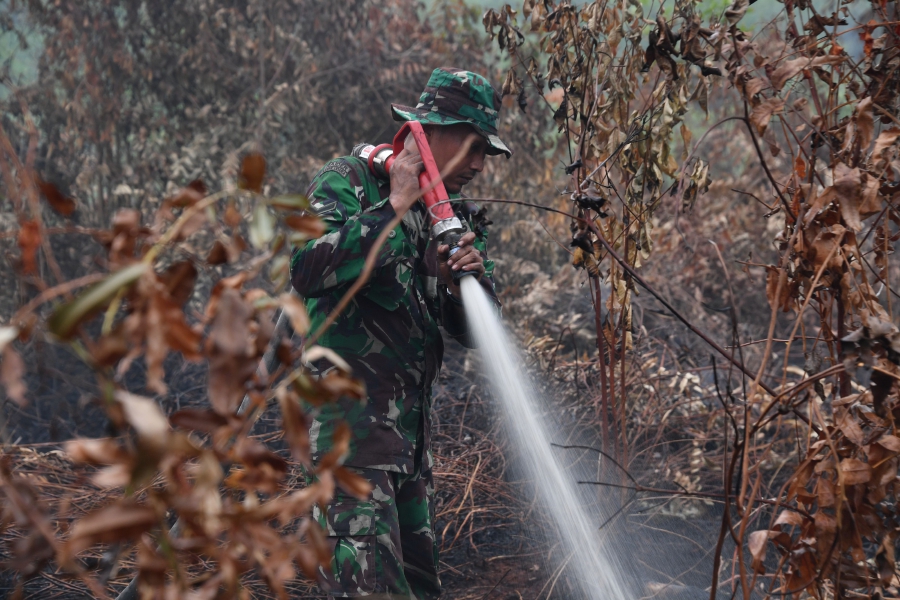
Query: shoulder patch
x,y
323,208
338,166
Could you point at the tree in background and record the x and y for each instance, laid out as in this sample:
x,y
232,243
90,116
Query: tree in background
x,y
135,99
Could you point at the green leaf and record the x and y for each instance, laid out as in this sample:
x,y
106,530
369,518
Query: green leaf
x,y
66,318
262,227
289,202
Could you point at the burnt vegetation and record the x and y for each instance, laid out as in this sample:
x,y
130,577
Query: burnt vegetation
x,y
694,241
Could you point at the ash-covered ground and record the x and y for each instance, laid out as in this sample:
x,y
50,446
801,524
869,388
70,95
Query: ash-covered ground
x,y
495,542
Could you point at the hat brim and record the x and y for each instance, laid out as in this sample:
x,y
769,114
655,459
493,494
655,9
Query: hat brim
x,y
408,113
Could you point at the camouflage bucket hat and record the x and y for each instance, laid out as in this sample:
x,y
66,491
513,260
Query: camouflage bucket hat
x,y
456,96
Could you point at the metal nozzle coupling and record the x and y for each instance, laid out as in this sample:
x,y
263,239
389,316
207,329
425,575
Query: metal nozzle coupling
x,y
448,232
378,162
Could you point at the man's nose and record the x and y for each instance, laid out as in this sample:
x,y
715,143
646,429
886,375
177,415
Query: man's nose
x,y
477,163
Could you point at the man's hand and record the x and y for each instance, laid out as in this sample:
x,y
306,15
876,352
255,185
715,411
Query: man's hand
x,y
405,177
466,259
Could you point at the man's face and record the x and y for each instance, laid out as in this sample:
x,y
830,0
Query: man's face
x,y
459,153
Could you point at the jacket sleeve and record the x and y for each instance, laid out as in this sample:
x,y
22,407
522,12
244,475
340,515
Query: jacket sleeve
x,y
337,258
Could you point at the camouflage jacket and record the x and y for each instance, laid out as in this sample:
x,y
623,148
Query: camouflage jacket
x,y
389,332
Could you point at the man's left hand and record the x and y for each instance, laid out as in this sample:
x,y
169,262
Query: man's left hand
x,y
466,259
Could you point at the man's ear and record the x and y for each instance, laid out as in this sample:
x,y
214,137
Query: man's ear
x,y
429,130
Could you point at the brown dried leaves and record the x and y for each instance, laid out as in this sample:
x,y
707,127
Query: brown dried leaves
x,y
56,199
854,191
119,522
230,351
253,171
29,240
764,111
789,68
144,299
12,370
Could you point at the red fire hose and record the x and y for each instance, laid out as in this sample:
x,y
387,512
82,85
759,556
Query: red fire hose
x,y
445,226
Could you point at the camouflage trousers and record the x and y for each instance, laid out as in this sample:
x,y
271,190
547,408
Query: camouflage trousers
x,y
384,546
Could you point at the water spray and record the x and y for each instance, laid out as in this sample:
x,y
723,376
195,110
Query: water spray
x,y
446,227
594,566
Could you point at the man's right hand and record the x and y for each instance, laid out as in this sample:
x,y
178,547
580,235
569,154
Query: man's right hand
x,y
405,177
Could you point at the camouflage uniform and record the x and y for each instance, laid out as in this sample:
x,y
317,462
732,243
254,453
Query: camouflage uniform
x,y
389,336
384,545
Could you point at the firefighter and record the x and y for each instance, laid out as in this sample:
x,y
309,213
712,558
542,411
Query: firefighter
x,y
385,546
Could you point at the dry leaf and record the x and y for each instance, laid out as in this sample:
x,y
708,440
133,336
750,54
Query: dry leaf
x,y
296,428
763,112
185,197
884,141
264,469
789,517
337,385
232,217
12,370
116,523
865,123
846,185
198,419
114,476
784,300
296,312
7,335
753,87
179,279
147,419
825,493
315,353
339,448
826,245
756,543
56,199
885,560
253,171
889,442
309,225
104,451
855,471
826,526
228,348
156,347
352,483
850,428
847,191
736,11
110,349
262,226
789,68
870,202
686,138
29,240
800,167
218,255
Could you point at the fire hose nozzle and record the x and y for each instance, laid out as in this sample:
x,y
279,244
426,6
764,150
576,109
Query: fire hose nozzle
x,y
448,231
446,227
